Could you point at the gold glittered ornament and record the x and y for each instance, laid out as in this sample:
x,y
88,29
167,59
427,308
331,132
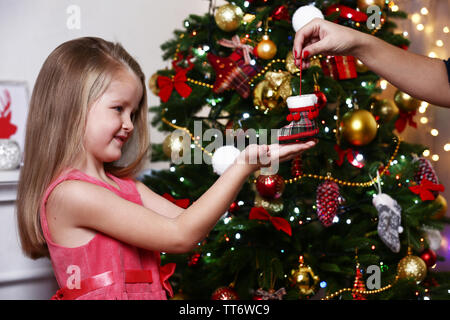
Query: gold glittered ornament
x,y
173,146
358,127
271,205
273,91
405,102
290,63
228,17
281,81
384,109
153,84
304,279
266,49
412,267
265,97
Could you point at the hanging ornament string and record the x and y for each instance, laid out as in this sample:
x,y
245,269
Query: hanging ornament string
x,y
300,67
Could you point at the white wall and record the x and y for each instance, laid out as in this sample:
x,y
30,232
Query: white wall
x,y
29,31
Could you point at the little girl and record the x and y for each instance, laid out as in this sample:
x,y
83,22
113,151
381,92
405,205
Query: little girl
x,y
77,200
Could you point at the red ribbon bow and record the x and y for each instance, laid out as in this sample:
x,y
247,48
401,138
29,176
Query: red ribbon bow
x,y
350,154
236,43
165,272
404,118
260,213
178,82
425,189
183,203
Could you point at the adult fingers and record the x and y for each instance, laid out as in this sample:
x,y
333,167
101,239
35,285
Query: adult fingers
x,y
310,30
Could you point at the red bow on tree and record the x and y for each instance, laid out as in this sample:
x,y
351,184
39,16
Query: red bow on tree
x,y
178,82
425,189
404,118
350,154
183,203
166,84
260,213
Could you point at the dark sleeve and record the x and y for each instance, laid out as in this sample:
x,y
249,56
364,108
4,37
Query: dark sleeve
x,y
447,64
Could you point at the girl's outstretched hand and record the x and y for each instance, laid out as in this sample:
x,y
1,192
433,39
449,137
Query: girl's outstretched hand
x,y
256,156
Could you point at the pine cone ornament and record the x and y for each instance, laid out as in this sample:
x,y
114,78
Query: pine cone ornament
x,y
426,171
327,202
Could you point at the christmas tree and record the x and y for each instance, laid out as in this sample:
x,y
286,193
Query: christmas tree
x,y
356,217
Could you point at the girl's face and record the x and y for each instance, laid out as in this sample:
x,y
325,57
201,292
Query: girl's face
x,y
110,118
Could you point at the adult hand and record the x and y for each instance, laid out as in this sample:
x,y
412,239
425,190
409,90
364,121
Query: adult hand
x,y
324,37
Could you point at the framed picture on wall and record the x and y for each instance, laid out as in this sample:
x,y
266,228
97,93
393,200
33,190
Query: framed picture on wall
x,y
14,100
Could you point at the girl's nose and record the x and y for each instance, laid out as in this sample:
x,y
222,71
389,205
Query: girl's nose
x,y
127,125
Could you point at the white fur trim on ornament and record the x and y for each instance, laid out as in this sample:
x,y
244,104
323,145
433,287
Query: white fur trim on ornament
x,y
305,100
224,157
304,15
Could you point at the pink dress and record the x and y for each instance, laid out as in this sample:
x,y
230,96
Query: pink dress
x,y
106,268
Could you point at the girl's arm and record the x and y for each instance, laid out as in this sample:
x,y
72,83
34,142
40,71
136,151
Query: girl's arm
x,y
152,200
85,205
421,77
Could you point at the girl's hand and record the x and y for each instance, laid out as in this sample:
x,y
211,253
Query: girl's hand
x,y
324,37
256,156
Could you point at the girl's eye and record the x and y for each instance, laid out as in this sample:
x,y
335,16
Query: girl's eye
x,y
118,108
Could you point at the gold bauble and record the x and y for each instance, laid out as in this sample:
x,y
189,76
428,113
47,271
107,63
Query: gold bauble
x,y
265,97
412,267
153,84
304,279
271,205
385,109
441,213
228,17
358,127
290,63
360,67
405,102
173,146
266,48
364,4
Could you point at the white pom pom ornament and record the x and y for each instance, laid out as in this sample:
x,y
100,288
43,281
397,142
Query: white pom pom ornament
x,y
304,15
223,158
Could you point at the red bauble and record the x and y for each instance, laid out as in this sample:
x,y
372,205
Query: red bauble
x,y
234,207
296,168
280,13
429,256
270,186
225,293
321,99
327,202
193,259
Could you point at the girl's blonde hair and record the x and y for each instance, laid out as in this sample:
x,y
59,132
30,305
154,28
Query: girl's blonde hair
x,y
73,76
